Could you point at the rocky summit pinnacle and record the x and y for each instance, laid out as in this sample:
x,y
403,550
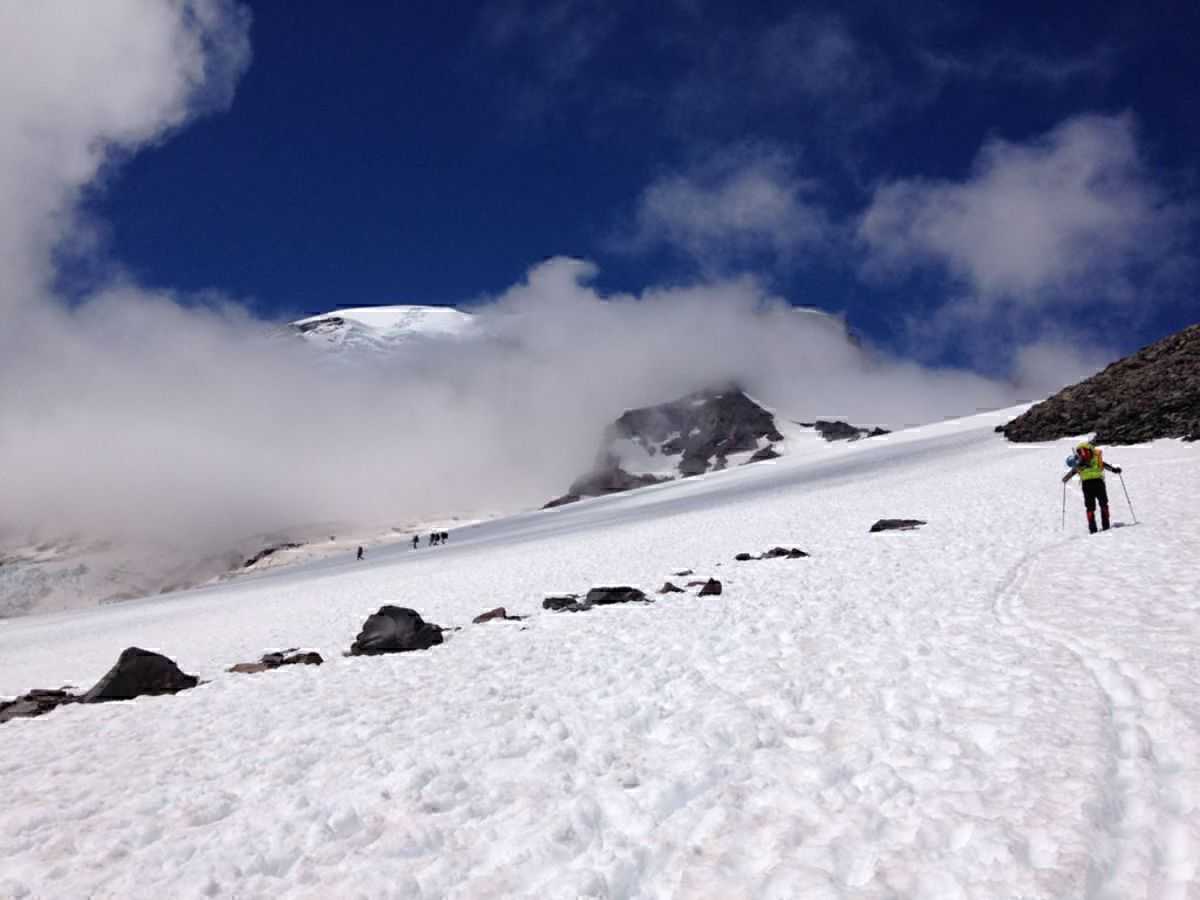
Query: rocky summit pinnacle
x,y
1155,393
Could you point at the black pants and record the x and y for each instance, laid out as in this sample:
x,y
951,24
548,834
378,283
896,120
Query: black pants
x,y
1093,490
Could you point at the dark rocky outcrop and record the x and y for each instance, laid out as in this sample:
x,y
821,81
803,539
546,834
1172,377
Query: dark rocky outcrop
x,y
395,629
138,673
269,661
669,588
699,426
492,614
1154,393
37,702
843,431
896,525
711,588
561,602
703,429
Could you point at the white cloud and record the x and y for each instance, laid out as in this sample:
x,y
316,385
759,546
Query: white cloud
x,y
80,82
1061,219
739,203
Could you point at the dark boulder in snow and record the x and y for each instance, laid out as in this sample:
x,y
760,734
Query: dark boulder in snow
x,y
1154,393
744,557
896,525
37,702
712,588
395,629
669,588
137,673
606,596
290,657
683,573
562,501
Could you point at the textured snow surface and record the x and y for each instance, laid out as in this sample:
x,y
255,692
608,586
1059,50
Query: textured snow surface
x,y
986,707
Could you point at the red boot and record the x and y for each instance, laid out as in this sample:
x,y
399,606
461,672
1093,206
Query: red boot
x,y
1091,514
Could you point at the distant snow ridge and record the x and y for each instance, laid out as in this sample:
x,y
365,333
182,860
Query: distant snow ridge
x,y
382,328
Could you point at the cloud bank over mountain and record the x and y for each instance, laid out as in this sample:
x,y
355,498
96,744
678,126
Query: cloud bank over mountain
x,y
144,415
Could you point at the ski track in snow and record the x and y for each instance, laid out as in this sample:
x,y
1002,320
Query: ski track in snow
x,y
983,708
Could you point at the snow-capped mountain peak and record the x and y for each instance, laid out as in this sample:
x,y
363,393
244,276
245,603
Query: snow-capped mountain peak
x,y
383,327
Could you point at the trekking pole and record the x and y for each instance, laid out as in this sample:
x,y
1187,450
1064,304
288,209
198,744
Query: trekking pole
x,y
1127,500
1064,517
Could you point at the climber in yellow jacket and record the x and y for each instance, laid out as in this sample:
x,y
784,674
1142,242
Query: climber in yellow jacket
x,y
1088,463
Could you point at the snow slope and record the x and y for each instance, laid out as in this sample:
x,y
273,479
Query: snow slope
x,y
986,707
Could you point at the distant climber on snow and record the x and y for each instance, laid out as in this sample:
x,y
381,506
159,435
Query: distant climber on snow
x,y
360,552
416,541
1088,463
433,539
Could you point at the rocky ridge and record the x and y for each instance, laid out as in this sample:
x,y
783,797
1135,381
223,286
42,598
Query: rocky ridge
x,y
1151,394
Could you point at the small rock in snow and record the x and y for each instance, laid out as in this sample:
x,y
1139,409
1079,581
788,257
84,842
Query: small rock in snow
x,y
498,613
896,525
712,588
669,588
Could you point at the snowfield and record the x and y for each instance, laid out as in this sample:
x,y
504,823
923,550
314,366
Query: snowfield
x,y
986,707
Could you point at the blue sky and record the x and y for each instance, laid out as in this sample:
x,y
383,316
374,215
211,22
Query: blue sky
x,y
957,182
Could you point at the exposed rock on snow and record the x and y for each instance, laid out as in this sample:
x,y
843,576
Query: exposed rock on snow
x,y
843,431
563,501
1154,393
290,657
498,613
139,672
610,480
768,452
605,596
773,553
395,629
37,702
784,553
601,596
563,603
669,588
896,525
711,588
703,429
270,551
